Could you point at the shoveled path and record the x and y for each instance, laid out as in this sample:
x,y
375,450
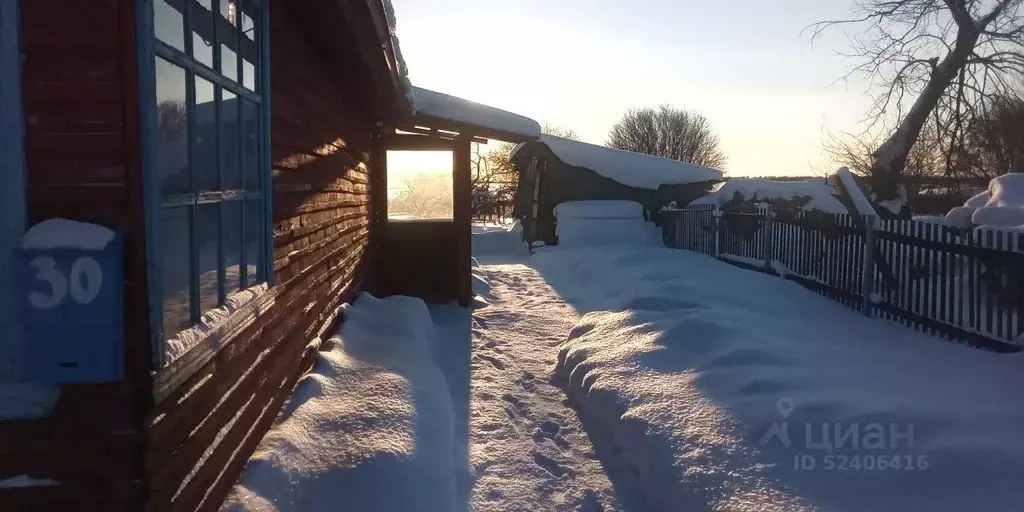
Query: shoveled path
x,y
526,447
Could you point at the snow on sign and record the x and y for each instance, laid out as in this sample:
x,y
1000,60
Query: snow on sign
x,y
70,296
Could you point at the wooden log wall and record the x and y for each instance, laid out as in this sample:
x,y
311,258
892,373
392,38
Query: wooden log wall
x,y
80,102
204,430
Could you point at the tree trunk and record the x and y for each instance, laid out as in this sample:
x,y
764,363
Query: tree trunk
x,y
891,156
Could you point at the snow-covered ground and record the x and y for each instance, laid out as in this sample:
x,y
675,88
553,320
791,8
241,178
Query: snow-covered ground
x,y
524,447
639,378
710,386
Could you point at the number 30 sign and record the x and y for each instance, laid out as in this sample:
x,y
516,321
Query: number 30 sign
x,y
84,282
71,308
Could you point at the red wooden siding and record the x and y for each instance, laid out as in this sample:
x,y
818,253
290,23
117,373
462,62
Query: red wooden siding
x,y
203,432
82,156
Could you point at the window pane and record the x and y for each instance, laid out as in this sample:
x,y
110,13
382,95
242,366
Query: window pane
x,y
249,26
228,63
207,246
232,235
202,32
250,141
205,135
173,246
248,75
227,33
169,24
419,185
253,240
172,128
231,152
249,49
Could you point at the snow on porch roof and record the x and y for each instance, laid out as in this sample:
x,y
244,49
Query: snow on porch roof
x,y
492,122
626,167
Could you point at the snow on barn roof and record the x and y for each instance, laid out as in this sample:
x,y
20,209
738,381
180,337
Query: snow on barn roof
x,y
451,108
626,167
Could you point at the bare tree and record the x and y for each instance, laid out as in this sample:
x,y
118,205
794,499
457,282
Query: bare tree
x,y
559,131
996,140
669,133
931,59
172,120
494,178
855,152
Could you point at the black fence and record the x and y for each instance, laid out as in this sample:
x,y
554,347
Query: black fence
x,y
965,285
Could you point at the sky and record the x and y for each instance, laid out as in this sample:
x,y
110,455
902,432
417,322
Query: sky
x,y
747,65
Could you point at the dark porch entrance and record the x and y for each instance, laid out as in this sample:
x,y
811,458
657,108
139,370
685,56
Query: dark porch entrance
x,y
431,259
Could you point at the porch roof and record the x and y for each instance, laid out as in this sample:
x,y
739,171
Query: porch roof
x,y
445,112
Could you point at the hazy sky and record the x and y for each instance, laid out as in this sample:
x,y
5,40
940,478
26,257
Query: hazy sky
x,y
769,93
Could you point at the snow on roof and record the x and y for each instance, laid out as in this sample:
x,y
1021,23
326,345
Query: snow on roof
x,y
449,107
821,193
626,167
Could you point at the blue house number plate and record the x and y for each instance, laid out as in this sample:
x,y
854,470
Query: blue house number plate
x,y
71,313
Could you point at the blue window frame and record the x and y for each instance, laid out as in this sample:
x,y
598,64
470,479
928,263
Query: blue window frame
x,y
204,82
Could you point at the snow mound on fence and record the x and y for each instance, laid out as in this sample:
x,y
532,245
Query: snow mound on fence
x,y
370,428
687,370
1001,206
591,223
821,195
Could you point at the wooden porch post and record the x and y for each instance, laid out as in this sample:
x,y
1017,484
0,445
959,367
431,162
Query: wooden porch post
x,y
462,216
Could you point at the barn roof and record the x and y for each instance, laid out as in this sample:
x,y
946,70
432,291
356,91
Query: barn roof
x,y
626,167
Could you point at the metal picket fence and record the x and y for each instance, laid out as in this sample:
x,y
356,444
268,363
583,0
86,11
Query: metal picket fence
x,y
965,285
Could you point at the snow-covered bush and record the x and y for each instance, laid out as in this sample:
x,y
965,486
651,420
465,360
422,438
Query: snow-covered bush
x,y
1001,206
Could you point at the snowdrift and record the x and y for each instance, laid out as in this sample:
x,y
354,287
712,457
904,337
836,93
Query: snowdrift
x,y
705,386
590,223
1001,206
370,428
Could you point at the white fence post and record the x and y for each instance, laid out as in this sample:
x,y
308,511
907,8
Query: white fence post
x,y
767,239
716,228
868,278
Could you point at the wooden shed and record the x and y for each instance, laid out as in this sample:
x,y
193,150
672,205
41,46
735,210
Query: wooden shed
x,y
238,148
553,170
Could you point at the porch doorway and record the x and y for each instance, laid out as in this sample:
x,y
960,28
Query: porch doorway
x,y
423,223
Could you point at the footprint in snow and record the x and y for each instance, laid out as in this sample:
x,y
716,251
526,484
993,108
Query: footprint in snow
x,y
515,408
495,362
525,381
552,466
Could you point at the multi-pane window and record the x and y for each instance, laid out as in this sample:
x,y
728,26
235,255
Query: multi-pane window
x,y
210,227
